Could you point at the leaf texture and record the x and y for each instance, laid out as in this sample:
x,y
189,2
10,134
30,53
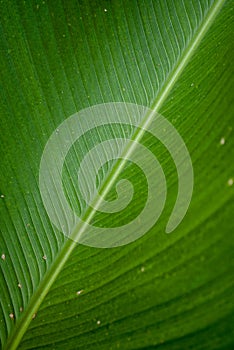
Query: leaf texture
x,y
169,292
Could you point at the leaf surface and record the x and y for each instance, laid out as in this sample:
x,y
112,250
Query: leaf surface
x,y
162,291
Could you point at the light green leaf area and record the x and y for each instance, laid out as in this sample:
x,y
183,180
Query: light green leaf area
x,y
162,291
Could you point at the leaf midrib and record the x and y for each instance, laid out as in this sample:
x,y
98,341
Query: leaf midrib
x,y
54,270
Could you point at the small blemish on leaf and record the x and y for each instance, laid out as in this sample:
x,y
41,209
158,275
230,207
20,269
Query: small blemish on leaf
x,y
44,257
12,316
222,141
230,182
19,285
79,292
98,322
3,256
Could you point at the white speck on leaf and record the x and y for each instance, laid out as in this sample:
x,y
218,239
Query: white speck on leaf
x,y
79,292
2,196
230,182
44,257
105,10
19,285
3,256
98,322
142,269
12,316
222,141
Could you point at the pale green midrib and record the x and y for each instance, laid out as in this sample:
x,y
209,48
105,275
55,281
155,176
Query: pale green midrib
x,y
57,265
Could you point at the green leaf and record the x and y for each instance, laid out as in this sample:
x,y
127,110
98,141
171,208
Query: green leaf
x,y
161,291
